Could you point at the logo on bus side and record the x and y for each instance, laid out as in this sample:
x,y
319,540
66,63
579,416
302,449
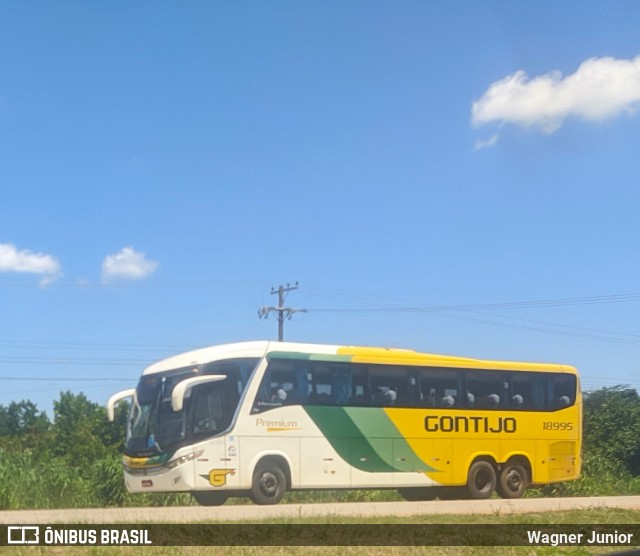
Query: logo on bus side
x,y
459,423
277,425
218,477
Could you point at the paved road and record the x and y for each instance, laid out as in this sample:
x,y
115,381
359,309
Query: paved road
x,y
189,514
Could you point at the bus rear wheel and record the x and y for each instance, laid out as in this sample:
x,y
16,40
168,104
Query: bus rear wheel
x,y
481,480
269,483
209,498
513,480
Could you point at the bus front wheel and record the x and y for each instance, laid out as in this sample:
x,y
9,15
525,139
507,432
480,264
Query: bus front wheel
x,y
269,483
513,480
481,481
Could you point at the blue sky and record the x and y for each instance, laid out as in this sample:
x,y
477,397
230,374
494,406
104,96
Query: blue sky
x,y
446,166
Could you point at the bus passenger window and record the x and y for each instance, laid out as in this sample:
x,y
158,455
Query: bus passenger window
x,y
448,401
438,387
330,383
385,396
490,390
282,384
527,391
359,386
560,402
391,385
562,391
321,394
428,399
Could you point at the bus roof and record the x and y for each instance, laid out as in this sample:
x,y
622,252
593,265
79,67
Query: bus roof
x,y
371,355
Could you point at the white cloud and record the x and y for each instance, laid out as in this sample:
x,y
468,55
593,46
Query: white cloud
x,y
486,143
601,88
127,264
25,261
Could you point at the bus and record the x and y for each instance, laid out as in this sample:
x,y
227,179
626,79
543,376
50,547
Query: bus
x,y
262,418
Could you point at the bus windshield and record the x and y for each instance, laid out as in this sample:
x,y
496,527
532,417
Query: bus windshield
x,y
155,428
153,425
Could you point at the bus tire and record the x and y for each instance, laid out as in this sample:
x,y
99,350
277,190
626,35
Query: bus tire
x,y
513,479
210,498
481,480
269,483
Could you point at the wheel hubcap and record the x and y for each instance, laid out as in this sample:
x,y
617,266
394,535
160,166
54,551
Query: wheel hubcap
x,y
483,480
514,481
268,484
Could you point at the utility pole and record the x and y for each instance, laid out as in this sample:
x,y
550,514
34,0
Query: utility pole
x,y
281,310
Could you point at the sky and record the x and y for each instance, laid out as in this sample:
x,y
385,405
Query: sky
x,y
448,177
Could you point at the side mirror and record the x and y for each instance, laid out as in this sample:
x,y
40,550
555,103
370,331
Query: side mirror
x,y
180,390
113,400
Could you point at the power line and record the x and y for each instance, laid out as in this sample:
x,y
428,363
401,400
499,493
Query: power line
x,y
559,302
380,304
394,303
473,313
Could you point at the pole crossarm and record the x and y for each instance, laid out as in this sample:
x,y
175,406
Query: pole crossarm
x,y
280,310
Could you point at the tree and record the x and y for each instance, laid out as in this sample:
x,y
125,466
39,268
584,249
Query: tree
x,y
612,425
23,426
80,430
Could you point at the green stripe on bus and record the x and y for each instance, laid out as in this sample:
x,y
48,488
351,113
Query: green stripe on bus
x,y
366,439
346,438
375,424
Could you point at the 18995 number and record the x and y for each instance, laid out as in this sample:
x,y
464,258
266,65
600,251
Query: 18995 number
x,y
557,426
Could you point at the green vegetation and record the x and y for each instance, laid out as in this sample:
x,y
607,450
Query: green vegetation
x,y
74,460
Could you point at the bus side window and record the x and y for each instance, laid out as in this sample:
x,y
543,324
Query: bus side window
x,y
489,389
562,391
359,386
439,387
391,385
282,384
357,397
320,384
527,391
330,383
538,393
428,398
516,401
320,394
560,402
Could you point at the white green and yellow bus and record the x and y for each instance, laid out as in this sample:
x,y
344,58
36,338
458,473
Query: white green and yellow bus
x,y
262,418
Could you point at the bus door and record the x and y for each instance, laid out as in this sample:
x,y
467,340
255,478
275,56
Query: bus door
x,y
212,407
